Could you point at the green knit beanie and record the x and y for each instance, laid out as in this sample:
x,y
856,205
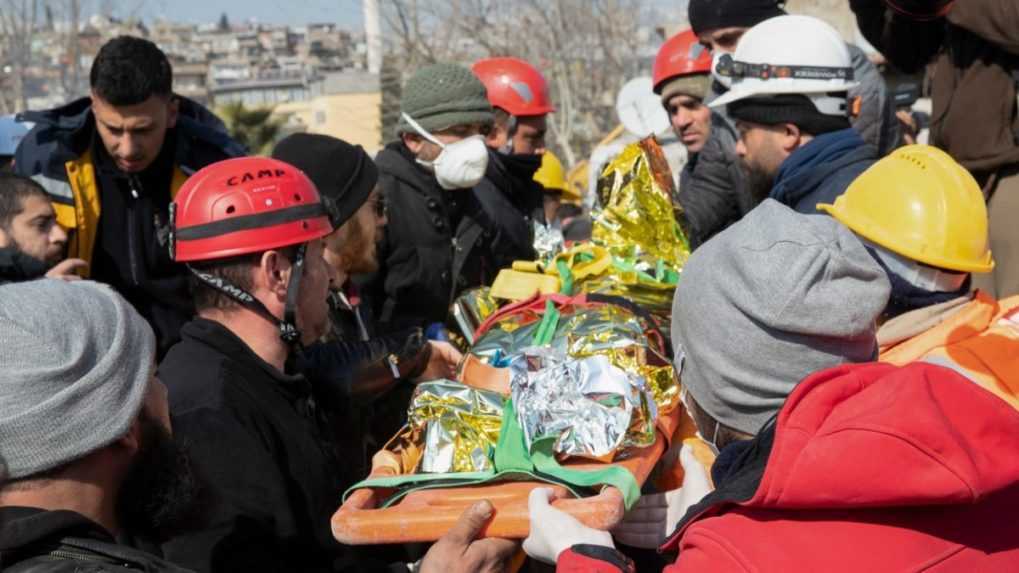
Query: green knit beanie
x,y
444,95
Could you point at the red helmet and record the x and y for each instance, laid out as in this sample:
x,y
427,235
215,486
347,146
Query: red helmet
x,y
514,85
245,205
680,55
921,10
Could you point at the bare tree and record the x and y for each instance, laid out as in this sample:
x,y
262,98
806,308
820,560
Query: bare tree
x,y
587,50
17,25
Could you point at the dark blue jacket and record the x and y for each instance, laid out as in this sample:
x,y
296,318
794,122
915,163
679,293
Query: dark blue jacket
x,y
822,170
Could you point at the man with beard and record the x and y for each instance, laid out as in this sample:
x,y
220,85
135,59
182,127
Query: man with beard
x,y
357,372
86,451
31,242
790,76
251,232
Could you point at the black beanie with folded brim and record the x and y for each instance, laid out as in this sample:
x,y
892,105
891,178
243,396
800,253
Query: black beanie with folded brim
x,y
706,15
796,109
344,174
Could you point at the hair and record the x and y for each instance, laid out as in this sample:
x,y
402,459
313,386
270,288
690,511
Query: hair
x,y
238,271
14,190
129,70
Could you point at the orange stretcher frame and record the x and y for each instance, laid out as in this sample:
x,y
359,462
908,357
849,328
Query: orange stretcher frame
x,y
426,515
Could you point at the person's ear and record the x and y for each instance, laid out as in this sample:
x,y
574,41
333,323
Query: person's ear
x,y
790,137
413,141
172,112
131,442
274,273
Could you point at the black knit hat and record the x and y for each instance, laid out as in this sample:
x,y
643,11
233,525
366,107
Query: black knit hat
x,y
344,174
714,14
796,109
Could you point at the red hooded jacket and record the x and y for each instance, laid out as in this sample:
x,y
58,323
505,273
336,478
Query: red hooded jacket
x,y
868,468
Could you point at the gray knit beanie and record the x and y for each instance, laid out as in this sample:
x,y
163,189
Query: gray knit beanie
x,y
772,299
444,95
75,361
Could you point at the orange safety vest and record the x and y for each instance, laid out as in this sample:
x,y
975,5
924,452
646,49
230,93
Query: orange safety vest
x,y
980,341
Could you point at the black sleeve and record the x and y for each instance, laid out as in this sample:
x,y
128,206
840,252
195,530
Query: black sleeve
x,y
711,192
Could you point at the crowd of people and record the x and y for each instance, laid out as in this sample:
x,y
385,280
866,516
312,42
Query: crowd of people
x,y
203,349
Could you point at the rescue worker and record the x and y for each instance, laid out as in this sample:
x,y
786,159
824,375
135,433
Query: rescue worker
x,y
112,162
795,139
712,190
251,233
445,232
975,47
830,471
922,216
563,203
721,24
364,378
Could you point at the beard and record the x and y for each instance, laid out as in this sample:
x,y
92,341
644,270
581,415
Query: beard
x,y
161,496
358,250
759,181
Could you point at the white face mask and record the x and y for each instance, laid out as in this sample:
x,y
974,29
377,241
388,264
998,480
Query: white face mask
x,y
461,164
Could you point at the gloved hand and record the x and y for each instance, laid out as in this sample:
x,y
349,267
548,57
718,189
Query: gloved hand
x,y
554,531
655,516
442,363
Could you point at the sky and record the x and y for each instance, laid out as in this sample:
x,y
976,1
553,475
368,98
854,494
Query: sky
x,y
293,12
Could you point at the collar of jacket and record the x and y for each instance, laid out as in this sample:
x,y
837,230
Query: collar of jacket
x,y
21,527
224,341
807,167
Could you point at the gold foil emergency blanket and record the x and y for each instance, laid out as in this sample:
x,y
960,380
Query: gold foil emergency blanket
x,y
471,309
593,408
457,425
636,222
605,330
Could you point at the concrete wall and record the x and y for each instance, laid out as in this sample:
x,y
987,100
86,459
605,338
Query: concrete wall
x,y
354,118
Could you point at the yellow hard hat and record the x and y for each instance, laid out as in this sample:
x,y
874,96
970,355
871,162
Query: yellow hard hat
x,y
919,203
551,175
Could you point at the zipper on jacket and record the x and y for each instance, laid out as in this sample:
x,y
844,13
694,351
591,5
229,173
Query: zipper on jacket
x,y
71,555
132,228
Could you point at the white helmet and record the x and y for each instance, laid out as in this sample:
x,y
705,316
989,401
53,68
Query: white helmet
x,y
789,55
11,134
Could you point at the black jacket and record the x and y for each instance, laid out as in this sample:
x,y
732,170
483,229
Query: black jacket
x,y
16,266
39,541
258,437
712,187
439,243
119,223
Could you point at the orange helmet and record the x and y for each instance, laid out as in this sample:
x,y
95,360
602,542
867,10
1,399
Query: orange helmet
x,y
243,206
514,85
680,55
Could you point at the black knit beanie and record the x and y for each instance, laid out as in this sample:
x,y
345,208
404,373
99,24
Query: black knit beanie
x,y
343,173
714,14
796,109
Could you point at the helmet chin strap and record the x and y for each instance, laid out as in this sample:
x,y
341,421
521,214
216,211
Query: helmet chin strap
x,y
289,332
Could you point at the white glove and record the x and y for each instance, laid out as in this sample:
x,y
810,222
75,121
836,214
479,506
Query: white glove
x,y
554,531
655,516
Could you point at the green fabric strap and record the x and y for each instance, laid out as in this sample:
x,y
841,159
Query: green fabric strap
x,y
549,323
512,461
565,277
